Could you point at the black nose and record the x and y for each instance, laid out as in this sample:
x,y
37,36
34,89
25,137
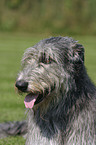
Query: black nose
x,y
22,85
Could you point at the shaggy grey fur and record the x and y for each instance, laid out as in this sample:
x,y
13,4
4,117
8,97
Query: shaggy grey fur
x,y
65,110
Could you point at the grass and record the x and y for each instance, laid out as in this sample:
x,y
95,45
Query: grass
x,y
12,47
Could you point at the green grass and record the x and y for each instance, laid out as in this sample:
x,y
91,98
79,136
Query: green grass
x,y
12,47
12,141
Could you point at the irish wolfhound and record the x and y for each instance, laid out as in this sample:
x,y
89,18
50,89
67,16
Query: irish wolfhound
x,y
61,98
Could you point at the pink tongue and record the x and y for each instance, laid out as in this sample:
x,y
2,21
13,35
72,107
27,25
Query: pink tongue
x,y
30,100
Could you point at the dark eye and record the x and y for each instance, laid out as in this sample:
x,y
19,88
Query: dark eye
x,y
44,59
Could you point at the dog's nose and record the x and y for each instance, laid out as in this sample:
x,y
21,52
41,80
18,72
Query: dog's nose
x,y
22,85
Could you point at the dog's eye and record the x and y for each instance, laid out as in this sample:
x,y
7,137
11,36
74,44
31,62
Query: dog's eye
x,y
44,59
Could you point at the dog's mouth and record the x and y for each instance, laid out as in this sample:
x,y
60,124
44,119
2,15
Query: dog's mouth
x,y
32,99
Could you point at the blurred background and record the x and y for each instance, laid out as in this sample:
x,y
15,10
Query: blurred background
x,y
39,16
25,22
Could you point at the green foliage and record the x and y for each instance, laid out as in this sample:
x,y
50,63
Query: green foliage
x,y
8,24
13,4
71,16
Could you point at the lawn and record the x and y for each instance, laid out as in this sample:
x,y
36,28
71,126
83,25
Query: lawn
x,y
12,47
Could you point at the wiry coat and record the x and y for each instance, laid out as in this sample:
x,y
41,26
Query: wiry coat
x,y
66,113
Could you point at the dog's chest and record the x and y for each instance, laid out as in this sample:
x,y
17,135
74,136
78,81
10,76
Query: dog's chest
x,y
35,136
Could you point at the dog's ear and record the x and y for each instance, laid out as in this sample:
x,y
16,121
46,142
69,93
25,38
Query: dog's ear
x,y
78,52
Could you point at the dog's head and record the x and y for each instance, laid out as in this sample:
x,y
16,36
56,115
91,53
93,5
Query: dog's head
x,y
48,67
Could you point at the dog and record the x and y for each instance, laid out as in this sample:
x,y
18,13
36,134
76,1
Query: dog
x,y
60,97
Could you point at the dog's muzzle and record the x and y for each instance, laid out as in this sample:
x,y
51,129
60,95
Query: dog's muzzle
x,y
31,98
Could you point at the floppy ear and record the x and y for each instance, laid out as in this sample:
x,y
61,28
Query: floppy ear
x,y
78,52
